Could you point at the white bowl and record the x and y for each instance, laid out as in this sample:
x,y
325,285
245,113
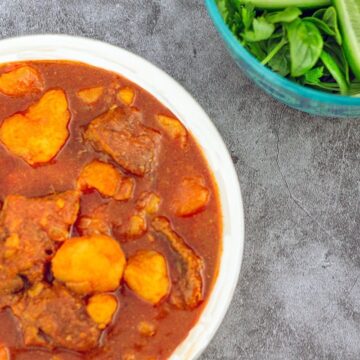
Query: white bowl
x,y
180,102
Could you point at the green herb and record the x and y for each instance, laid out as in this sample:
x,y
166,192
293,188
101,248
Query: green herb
x,y
304,45
247,14
335,71
262,30
337,52
314,75
326,20
288,15
330,17
274,51
280,63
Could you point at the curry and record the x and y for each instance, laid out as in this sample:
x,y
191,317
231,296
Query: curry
x,y
110,222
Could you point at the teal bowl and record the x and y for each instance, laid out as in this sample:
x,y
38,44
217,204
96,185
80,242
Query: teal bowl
x,y
299,97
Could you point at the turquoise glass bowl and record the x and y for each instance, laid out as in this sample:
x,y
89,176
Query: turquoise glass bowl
x,y
299,97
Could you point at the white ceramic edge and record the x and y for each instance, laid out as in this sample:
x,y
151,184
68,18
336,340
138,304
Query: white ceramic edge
x,y
182,104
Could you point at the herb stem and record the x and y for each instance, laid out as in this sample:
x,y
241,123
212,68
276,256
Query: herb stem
x,y
335,71
274,51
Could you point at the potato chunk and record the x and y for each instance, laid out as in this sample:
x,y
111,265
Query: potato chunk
x,y
101,308
147,275
38,134
137,226
146,328
191,197
148,202
89,264
20,81
173,128
90,95
107,180
126,95
4,353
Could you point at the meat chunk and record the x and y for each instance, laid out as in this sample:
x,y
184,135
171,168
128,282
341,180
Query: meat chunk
x,y
121,134
102,222
56,318
10,286
20,81
147,275
107,180
131,228
29,230
38,134
136,225
101,309
188,292
90,95
98,223
173,128
126,95
53,214
191,197
89,264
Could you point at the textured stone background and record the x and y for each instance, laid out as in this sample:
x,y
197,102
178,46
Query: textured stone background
x,y
299,294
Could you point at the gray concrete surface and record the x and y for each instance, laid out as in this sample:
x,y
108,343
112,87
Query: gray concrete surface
x,y
299,291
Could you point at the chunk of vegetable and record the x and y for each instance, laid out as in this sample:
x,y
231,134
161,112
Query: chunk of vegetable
x,y
101,308
89,264
38,134
348,12
291,42
36,290
306,44
90,95
128,356
106,179
191,197
4,353
146,274
20,81
146,328
148,202
173,128
137,226
126,95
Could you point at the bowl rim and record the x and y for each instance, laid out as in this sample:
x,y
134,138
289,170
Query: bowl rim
x,y
183,105
271,76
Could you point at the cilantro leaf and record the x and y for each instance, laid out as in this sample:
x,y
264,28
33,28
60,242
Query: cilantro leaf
x,y
314,75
